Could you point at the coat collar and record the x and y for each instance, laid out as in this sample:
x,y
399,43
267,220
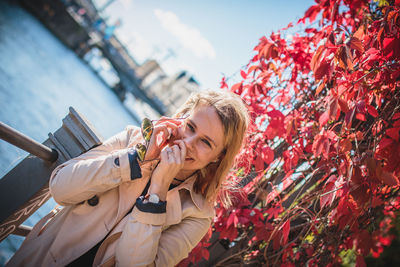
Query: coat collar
x,y
197,198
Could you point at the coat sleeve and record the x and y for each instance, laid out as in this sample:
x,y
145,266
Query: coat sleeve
x,y
143,243
95,171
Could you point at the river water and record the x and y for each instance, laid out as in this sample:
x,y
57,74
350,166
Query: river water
x,y
39,79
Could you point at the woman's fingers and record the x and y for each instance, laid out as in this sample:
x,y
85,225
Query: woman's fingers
x,y
170,164
174,154
153,150
182,147
164,156
162,129
177,154
173,127
165,131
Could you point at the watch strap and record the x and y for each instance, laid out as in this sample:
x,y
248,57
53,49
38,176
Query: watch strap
x,y
144,205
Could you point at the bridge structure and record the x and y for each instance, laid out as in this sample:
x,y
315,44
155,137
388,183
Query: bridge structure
x,y
73,22
125,67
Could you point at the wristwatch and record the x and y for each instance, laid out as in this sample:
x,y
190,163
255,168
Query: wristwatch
x,y
151,203
153,198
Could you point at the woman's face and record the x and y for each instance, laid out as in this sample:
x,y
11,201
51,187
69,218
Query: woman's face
x,y
203,135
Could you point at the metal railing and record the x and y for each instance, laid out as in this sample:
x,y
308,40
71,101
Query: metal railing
x,y
26,143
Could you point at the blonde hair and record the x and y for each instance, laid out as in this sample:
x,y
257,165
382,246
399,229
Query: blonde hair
x,y
234,117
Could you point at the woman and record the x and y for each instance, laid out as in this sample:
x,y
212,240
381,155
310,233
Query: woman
x,y
126,210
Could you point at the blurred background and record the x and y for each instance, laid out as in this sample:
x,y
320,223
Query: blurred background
x,y
117,61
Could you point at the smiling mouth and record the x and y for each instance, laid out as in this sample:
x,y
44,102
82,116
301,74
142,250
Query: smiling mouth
x,y
187,159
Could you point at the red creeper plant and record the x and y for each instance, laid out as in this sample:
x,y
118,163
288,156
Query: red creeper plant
x,y
324,145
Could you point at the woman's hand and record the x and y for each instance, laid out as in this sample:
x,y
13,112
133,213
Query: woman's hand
x,y
172,161
164,130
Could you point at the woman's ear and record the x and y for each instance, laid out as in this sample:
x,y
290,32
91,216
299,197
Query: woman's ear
x,y
217,159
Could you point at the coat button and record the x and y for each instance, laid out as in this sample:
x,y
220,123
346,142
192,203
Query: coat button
x,y
93,201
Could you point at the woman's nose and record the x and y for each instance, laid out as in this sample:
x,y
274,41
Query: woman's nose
x,y
189,140
180,133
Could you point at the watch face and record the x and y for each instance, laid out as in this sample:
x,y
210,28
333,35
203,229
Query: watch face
x,y
153,198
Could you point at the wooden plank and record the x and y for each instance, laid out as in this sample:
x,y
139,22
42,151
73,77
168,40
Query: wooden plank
x,y
69,123
62,152
92,136
71,145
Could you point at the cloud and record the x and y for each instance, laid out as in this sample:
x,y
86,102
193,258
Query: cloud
x,y
127,3
188,36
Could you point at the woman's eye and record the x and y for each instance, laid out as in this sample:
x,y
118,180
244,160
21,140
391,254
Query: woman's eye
x,y
205,141
190,127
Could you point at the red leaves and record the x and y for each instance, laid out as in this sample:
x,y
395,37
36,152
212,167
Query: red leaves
x,y
344,58
320,64
345,145
389,178
285,232
199,252
325,99
391,48
280,237
372,111
372,55
393,133
321,146
329,194
267,50
264,155
238,218
243,74
311,14
345,212
291,158
229,233
223,83
276,125
316,59
364,242
205,253
322,143
262,231
380,175
356,44
324,68
396,116
319,88
274,212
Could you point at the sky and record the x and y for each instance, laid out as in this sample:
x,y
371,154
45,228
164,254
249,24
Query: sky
x,y
210,39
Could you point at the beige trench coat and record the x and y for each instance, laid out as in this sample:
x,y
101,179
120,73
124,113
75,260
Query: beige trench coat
x,y
138,239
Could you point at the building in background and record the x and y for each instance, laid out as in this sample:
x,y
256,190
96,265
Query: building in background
x,y
170,91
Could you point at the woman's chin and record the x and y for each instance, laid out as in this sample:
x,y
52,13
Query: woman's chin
x,y
189,165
